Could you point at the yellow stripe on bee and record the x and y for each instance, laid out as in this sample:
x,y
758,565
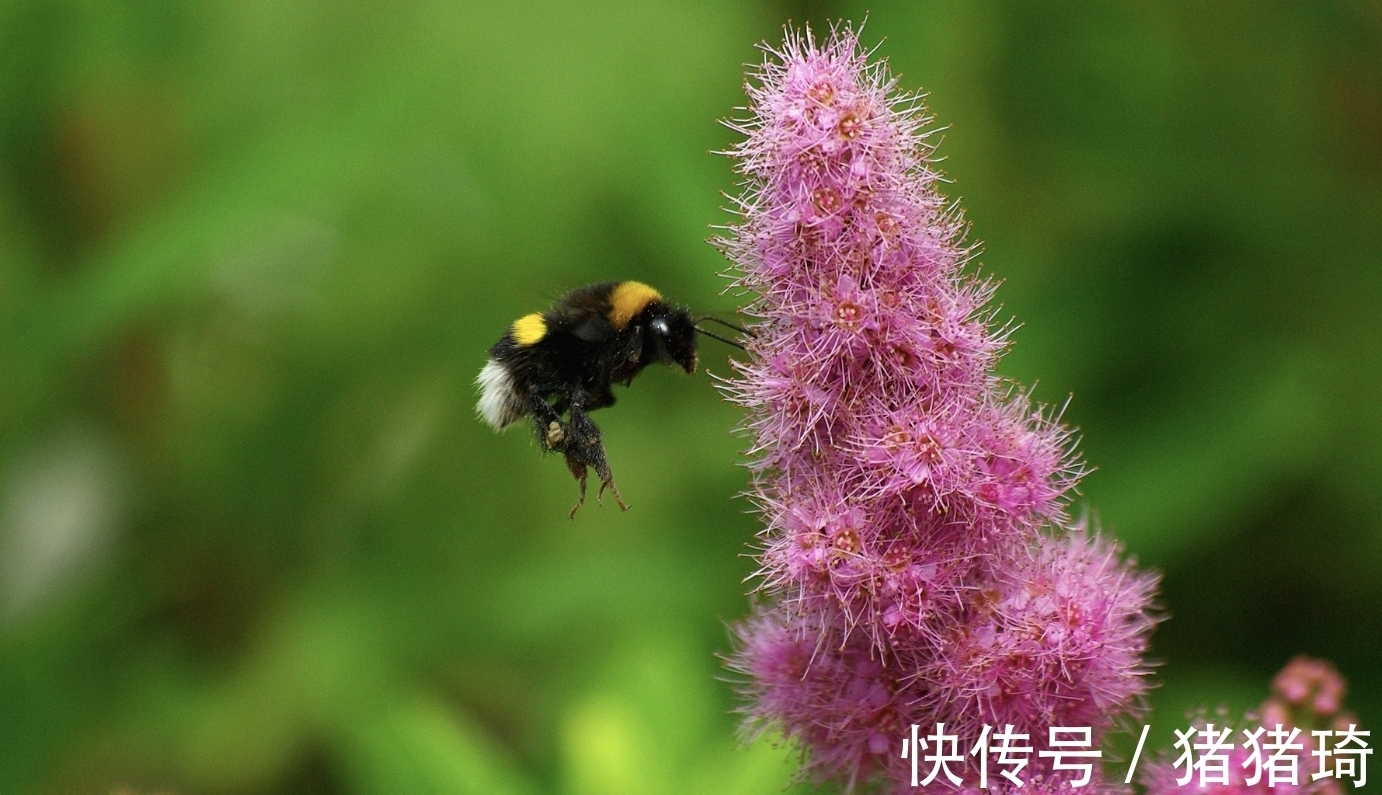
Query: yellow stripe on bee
x,y
628,299
527,330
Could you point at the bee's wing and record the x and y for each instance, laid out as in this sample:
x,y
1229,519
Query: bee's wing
x,y
592,328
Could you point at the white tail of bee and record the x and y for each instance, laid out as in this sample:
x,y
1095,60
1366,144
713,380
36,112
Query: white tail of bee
x,y
499,405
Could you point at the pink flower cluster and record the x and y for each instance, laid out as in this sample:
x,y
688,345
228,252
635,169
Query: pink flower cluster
x,y
917,564
1307,695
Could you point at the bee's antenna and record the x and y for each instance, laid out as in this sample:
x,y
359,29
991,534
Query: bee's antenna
x,y
715,336
726,324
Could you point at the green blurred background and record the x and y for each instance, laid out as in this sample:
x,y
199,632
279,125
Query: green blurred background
x,y
253,540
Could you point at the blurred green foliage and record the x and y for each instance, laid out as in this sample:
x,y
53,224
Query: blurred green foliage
x,y
252,254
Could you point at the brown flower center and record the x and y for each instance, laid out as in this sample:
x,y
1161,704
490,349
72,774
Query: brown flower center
x,y
827,200
848,313
896,559
896,438
928,448
850,126
847,541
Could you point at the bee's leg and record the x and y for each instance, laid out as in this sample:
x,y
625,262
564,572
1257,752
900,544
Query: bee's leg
x,y
606,479
551,431
578,470
602,399
585,444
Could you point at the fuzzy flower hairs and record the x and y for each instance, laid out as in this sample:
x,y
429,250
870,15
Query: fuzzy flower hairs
x,y
917,563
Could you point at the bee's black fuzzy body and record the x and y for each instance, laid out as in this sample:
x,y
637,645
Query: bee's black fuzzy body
x,y
557,366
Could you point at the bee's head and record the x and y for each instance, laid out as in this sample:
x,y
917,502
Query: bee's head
x,y
674,333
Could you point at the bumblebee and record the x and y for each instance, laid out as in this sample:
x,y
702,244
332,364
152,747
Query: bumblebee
x,y
556,367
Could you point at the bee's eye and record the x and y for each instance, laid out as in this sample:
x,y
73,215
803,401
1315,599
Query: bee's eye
x,y
659,327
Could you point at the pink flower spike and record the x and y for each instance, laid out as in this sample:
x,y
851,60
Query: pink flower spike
x,y
917,565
